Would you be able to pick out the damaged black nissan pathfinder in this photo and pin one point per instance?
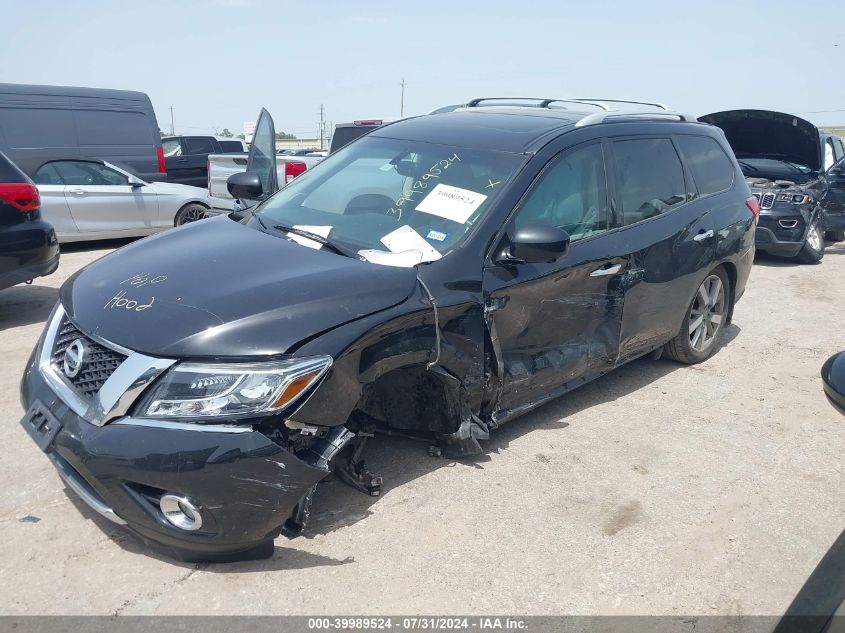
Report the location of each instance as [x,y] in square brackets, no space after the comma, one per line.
[437,277]
[789,165]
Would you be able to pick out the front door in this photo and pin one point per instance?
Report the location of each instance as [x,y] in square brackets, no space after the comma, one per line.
[552,324]
[834,200]
[101,200]
[261,159]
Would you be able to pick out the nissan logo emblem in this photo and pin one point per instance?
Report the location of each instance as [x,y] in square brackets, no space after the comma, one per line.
[74,358]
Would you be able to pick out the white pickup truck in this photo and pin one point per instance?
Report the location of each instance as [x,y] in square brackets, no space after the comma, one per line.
[221,166]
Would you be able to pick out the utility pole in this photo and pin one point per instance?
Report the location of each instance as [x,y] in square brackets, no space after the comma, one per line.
[172,130]
[402,99]
[322,123]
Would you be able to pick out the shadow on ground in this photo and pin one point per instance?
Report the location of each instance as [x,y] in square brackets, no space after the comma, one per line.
[400,460]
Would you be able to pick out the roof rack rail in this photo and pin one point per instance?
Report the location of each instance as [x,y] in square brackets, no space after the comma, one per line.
[659,106]
[605,105]
[474,103]
[601,117]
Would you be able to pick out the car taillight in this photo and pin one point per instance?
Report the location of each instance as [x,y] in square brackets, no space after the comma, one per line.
[754,207]
[21,195]
[361,122]
[294,168]
[160,154]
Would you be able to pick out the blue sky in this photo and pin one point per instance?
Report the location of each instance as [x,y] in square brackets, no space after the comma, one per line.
[218,61]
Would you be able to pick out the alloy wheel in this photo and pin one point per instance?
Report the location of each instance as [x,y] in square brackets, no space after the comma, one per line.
[192,214]
[707,313]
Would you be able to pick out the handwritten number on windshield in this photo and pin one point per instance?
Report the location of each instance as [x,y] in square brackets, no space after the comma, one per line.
[434,172]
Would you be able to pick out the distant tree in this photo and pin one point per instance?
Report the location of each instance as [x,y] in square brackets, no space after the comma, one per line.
[226,133]
[284,136]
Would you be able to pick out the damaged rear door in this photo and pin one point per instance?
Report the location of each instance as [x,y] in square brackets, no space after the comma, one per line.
[553,323]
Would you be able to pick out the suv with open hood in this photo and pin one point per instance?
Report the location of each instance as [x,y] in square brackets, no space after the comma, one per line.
[435,278]
[788,163]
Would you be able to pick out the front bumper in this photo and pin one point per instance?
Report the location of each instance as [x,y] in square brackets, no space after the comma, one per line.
[244,484]
[781,233]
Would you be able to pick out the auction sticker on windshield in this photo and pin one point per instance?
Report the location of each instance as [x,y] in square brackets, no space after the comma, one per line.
[452,203]
[405,239]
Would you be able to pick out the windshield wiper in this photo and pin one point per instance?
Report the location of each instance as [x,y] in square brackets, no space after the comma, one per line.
[742,163]
[340,250]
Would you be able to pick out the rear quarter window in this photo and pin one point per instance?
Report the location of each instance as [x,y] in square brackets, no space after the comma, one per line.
[711,168]
[103,127]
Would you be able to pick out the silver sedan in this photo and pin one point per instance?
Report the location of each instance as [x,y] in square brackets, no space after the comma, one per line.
[92,200]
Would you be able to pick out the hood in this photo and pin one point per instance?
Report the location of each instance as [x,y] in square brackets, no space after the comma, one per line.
[767,134]
[175,189]
[217,288]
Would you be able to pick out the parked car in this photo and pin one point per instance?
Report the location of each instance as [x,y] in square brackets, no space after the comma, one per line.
[520,253]
[28,245]
[186,157]
[307,151]
[345,133]
[787,163]
[94,200]
[42,123]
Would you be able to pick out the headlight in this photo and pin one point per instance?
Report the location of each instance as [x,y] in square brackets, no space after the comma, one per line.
[794,198]
[194,390]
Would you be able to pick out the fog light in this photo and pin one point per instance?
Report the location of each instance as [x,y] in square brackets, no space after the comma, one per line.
[180,512]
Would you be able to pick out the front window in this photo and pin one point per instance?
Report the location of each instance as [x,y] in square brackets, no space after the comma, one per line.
[393,201]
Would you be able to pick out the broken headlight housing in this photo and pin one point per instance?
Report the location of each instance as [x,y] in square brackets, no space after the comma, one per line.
[199,390]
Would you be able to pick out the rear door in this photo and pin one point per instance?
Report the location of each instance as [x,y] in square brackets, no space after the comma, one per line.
[669,235]
[195,152]
[101,200]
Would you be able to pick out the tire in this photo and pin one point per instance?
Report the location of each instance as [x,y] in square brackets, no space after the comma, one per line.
[190,213]
[813,249]
[835,236]
[704,321]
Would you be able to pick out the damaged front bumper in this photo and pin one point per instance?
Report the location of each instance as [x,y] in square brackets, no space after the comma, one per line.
[243,485]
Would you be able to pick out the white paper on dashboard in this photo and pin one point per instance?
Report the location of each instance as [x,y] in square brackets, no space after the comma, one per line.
[452,203]
[405,259]
[322,231]
[405,239]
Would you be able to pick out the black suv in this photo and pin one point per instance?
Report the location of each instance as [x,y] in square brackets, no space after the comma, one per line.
[437,277]
[791,168]
[28,244]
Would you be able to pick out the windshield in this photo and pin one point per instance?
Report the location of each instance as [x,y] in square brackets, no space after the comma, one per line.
[753,165]
[393,201]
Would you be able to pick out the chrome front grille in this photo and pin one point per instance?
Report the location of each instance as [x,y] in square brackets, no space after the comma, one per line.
[767,200]
[100,361]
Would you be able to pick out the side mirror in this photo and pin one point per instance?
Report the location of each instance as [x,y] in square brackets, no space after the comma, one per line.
[833,376]
[536,243]
[246,185]
[134,181]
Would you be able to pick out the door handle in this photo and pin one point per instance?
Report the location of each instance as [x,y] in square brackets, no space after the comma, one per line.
[706,235]
[609,270]
[77,192]
[181,160]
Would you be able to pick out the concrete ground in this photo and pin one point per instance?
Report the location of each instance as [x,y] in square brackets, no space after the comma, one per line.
[658,489]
